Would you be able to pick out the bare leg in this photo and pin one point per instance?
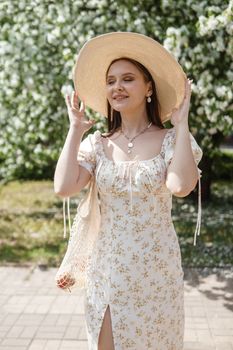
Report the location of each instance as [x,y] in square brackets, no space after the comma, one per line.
[106,336]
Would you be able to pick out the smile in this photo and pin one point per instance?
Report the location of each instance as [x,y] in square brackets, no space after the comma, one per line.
[120,98]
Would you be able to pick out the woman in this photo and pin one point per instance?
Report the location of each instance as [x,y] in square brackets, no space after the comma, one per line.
[134,295]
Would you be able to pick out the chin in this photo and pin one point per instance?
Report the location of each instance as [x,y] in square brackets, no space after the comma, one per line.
[121,109]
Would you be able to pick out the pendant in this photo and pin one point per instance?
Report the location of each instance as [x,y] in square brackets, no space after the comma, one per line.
[129,150]
[130,144]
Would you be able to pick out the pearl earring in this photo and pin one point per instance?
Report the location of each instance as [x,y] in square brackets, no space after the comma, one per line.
[148,99]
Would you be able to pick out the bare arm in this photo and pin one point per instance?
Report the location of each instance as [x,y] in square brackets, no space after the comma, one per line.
[69,177]
[182,173]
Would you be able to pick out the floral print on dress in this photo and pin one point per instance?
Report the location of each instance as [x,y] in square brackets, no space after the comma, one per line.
[168,149]
[135,267]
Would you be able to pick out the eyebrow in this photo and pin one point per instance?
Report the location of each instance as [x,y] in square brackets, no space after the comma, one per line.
[128,73]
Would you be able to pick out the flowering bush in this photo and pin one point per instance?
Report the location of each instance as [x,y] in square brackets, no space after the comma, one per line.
[39,41]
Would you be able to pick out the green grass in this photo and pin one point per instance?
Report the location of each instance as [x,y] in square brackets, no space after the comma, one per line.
[31,225]
[215,244]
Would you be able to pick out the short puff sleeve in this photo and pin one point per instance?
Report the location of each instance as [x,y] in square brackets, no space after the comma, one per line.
[170,145]
[86,155]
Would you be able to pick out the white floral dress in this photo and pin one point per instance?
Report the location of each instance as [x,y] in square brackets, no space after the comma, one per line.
[136,261]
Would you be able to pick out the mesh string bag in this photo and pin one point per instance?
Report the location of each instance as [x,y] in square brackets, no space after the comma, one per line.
[72,271]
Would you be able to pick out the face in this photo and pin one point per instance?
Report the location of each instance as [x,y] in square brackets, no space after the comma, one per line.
[126,88]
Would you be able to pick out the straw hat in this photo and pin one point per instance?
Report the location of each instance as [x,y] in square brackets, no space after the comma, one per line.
[96,55]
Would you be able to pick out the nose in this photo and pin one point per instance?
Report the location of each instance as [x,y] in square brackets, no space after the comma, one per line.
[118,85]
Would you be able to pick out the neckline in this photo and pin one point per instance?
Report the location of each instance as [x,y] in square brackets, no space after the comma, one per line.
[136,160]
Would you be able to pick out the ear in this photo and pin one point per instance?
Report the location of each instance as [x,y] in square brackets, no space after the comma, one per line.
[149,88]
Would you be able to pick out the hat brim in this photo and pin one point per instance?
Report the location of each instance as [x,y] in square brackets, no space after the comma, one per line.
[96,55]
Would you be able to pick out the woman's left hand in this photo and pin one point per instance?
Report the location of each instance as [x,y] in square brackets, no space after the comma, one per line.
[180,115]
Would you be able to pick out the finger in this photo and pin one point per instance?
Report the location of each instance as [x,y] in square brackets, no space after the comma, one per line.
[190,81]
[91,122]
[67,100]
[189,87]
[72,99]
[82,106]
[75,100]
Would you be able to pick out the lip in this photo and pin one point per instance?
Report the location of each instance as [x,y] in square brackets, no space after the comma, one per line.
[119,97]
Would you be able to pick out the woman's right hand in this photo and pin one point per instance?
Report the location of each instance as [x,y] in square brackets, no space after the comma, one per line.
[77,114]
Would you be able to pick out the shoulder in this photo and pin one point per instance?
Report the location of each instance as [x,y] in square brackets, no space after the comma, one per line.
[159,134]
[92,137]
[170,135]
[168,140]
[171,130]
[162,131]
[111,135]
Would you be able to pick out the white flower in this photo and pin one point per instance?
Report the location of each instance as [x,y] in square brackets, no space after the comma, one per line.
[165,3]
[53,35]
[229,95]
[188,65]
[221,91]
[29,82]
[38,148]
[228,119]
[66,90]
[212,22]
[36,96]
[171,31]
[66,52]
[61,18]
[212,131]
[5,47]
[220,43]
[200,110]
[223,19]
[168,44]
[14,80]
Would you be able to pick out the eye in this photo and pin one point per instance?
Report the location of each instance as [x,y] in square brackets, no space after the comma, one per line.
[109,82]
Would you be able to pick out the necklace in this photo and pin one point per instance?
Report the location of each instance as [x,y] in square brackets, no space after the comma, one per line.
[130,143]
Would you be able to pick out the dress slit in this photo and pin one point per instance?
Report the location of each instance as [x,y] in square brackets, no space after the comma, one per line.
[102,320]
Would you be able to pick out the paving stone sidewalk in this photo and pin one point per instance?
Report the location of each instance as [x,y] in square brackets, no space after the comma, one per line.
[36,315]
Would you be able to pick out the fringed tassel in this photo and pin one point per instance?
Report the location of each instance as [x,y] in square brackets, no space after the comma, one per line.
[198,226]
[68,210]
[64,215]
